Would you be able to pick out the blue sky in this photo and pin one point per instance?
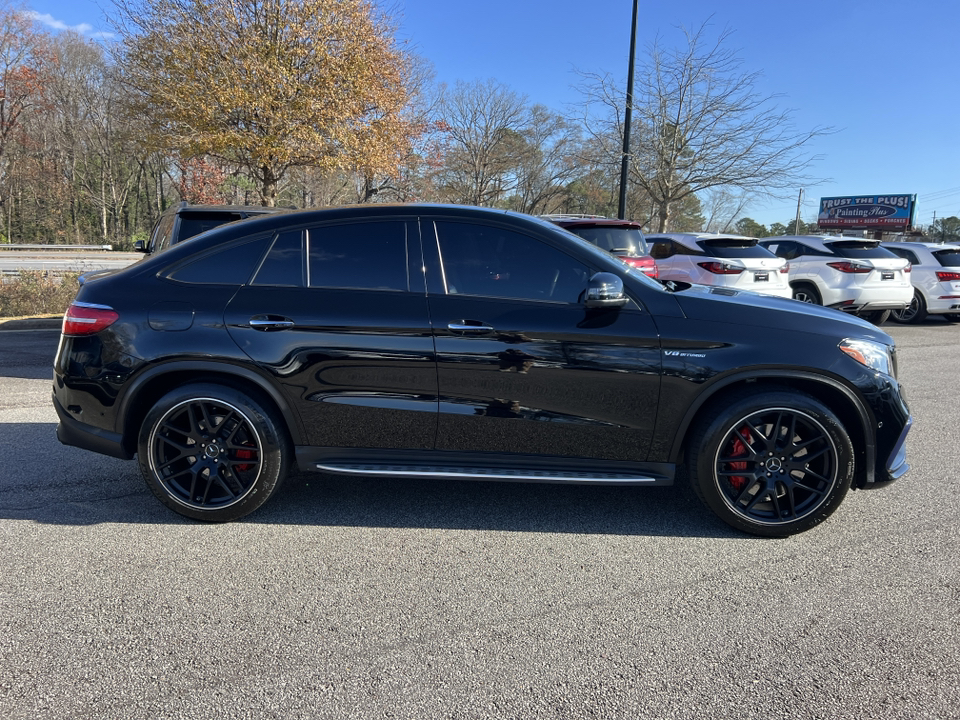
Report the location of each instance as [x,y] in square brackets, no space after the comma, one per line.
[885,74]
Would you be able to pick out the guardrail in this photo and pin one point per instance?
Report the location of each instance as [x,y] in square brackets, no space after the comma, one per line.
[6,246]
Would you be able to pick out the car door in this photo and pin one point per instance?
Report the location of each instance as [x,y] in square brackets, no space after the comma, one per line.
[523,367]
[337,314]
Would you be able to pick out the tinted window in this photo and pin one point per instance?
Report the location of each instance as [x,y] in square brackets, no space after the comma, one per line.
[161,233]
[368,255]
[284,263]
[494,262]
[860,250]
[787,250]
[661,249]
[618,240]
[948,258]
[906,255]
[731,248]
[194,223]
[229,265]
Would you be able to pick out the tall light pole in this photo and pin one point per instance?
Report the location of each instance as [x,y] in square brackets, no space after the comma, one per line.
[628,119]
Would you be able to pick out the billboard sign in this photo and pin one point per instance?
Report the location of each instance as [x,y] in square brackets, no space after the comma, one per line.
[867,212]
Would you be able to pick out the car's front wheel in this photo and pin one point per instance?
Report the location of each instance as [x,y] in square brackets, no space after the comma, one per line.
[211,452]
[771,462]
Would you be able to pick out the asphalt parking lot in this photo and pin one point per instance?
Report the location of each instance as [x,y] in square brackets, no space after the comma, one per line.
[348,598]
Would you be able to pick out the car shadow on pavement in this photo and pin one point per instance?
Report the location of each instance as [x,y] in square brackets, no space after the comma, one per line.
[54,484]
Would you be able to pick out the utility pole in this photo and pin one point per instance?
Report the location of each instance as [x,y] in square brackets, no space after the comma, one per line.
[796,225]
[628,119]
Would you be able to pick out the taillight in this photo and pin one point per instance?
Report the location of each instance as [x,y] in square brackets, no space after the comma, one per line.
[718,268]
[849,267]
[785,268]
[948,276]
[646,265]
[908,268]
[87,319]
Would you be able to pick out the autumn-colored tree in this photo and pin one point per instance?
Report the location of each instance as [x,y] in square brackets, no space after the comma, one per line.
[268,85]
[23,61]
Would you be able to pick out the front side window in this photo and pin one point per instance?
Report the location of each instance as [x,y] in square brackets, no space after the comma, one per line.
[491,261]
[362,255]
[194,223]
[161,233]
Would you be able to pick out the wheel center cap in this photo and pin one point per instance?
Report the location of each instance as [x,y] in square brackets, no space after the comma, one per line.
[212,452]
[773,465]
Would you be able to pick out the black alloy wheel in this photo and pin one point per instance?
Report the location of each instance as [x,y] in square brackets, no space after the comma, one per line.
[915,312]
[210,452]
[772,463]
[805,292]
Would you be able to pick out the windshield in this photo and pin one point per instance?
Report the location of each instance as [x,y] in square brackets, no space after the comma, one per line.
[619,240]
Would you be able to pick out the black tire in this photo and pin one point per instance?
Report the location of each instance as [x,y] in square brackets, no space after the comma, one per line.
[797,461]
[805,292]
[211,452]
[915,312]
[877,317]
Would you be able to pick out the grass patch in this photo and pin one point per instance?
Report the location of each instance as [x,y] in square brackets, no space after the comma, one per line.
[33,293]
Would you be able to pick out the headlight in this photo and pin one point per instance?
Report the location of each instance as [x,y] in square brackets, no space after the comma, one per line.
[873,355]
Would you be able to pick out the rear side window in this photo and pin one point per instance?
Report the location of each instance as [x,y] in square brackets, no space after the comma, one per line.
[948,258]
[363,255]
[194,223]
[734,248]
[860,250]
[283,265]
[907,255]
[661,249]
[232,264]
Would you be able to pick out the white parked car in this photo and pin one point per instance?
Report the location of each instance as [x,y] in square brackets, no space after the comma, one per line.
[731,261]
[855,275]
[936,280]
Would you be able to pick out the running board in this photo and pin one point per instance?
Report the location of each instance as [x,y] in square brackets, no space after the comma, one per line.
[486,473]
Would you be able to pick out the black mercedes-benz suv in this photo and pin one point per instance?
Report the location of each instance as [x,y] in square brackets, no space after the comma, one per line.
[456,342]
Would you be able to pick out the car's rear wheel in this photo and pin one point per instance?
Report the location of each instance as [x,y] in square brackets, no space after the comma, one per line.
[771,462]
[915,312]
[211,452]
[877,317]
[805,292]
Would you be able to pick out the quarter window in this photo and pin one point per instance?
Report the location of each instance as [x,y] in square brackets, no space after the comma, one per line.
[366,255]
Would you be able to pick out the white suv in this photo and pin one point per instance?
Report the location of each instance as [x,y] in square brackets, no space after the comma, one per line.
[855,275]
[731,261]
[936,280]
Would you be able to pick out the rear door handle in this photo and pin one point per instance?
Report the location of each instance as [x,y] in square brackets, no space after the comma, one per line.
[267,323]
[469,327]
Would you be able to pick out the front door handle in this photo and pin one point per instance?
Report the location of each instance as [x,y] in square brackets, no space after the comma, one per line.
[267,323]
[469,327]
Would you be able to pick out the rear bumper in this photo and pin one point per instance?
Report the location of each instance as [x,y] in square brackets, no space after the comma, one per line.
[71,431]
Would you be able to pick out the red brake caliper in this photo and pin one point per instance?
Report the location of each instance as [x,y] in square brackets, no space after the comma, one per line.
[244,455]
[740,449]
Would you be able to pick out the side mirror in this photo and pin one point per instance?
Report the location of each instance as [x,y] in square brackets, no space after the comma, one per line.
[605,290]
[139,246]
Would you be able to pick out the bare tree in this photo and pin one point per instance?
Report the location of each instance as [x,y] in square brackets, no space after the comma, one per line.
[483,123]
[699,123]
